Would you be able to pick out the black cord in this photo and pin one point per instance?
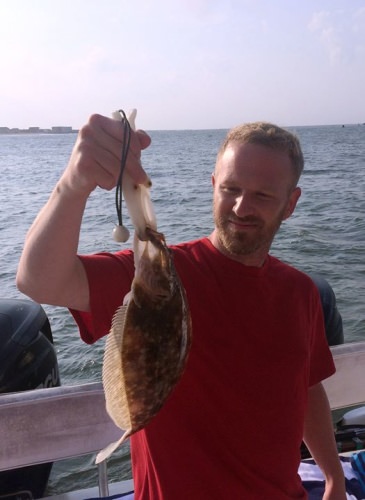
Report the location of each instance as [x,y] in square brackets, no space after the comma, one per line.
[125,150]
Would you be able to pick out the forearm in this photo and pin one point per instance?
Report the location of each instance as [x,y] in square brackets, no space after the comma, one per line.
[319,438]
[49,262]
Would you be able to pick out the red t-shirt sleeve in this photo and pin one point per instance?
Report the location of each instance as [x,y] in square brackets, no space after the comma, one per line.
[110,277]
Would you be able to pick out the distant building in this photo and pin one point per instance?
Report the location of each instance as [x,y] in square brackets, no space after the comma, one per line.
[37,130]
[61,130]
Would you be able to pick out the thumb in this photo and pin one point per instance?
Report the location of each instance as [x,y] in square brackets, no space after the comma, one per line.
[144,139]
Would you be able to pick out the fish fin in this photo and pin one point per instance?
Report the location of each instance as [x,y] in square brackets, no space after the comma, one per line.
[127,298]
[108,450]
[113,375]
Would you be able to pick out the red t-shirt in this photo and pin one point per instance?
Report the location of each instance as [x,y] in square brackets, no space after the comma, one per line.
[233,426]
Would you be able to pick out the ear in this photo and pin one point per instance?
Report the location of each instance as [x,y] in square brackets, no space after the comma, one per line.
[213,179]
[292,202]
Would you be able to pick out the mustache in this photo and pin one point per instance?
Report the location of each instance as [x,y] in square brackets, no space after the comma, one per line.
[248,219]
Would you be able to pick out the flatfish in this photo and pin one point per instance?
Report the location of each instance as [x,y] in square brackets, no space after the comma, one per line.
[148,344]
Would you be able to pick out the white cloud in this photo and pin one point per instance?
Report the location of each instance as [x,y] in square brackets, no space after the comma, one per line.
[322,23]
[341,33]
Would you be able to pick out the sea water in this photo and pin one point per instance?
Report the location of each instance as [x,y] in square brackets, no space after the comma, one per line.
[325,235]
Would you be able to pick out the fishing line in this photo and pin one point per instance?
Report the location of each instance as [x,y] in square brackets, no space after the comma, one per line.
[121,233]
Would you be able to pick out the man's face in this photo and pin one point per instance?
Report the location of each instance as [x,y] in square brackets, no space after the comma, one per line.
[253,194]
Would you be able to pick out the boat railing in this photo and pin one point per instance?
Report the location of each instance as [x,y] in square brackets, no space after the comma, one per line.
[346,387]
[47,425]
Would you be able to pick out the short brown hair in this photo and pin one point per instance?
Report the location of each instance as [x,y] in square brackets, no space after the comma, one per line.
[271,136]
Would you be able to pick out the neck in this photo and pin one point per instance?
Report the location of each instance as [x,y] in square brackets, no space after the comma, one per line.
[256,259]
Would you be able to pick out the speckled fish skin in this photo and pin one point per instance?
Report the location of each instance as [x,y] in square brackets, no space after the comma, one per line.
[149,341]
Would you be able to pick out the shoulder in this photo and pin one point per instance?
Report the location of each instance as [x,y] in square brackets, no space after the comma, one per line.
[195,263]
[192,246]
[295,285]
[193,251]
[286,272]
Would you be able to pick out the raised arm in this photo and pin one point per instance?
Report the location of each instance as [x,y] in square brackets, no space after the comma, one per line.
[49,270]
[319,438]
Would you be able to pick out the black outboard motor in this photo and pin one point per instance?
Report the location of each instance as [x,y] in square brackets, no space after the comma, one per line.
[27,361]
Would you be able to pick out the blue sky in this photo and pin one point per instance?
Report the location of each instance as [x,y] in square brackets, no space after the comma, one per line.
[184,64]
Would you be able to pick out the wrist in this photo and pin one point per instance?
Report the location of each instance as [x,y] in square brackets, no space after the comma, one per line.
[70,190]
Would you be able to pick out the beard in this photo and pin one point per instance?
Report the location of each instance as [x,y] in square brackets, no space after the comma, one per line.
[246,242]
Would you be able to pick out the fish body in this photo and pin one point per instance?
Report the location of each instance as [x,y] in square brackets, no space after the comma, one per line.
[148,344]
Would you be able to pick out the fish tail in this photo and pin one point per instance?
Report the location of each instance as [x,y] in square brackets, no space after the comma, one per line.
[108,450]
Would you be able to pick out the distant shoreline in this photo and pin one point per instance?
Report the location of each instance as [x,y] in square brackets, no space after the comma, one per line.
[37,130]
[70,130]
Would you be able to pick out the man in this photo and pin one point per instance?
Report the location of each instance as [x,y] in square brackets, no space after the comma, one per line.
[252,386]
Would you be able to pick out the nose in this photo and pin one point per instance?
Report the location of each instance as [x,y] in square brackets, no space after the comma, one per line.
[243,205]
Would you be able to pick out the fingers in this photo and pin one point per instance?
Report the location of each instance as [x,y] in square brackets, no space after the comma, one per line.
[96,158]
[144,139]
[138,140]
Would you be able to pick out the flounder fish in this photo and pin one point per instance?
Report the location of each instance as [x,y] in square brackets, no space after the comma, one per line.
[148,344]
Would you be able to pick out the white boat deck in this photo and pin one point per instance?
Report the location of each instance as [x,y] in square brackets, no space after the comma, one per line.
[53,424]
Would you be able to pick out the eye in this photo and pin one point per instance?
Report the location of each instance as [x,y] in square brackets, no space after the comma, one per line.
[229,189]
[263,196]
